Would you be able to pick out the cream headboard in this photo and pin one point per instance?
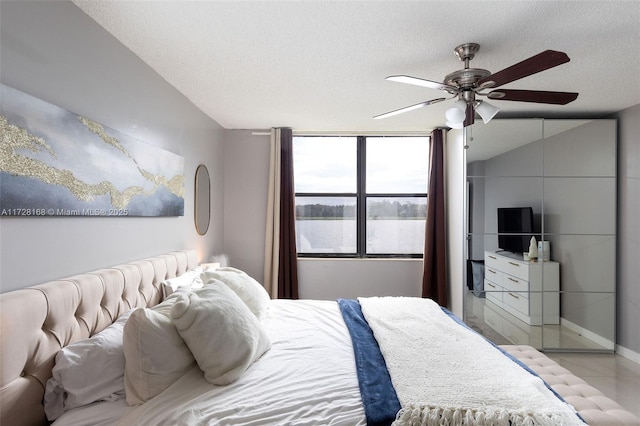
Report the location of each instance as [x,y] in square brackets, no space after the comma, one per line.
[35,322]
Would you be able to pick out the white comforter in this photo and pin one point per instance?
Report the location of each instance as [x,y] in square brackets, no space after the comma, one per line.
[311,350]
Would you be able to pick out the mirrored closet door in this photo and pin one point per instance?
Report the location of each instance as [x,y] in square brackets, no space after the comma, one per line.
[541,203]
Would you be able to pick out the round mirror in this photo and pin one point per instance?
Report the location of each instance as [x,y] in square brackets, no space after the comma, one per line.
[202,209]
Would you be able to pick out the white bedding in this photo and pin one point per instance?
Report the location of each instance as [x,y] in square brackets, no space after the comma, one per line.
[96,414]
[311,350]
[307,378]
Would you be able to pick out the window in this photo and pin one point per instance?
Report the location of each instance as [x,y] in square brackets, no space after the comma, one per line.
[360,196]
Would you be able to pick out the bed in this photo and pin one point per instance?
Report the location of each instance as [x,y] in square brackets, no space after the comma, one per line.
[302,365]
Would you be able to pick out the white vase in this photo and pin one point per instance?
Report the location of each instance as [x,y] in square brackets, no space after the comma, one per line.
[544,251]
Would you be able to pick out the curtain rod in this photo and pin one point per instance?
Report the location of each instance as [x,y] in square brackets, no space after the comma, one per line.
[347,133]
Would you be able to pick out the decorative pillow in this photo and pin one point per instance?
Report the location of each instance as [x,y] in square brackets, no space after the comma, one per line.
[252,293]
[87,371]
[224,336]
[155,354]
[190,279]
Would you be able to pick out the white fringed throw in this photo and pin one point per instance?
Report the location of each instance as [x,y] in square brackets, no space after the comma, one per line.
[445,374]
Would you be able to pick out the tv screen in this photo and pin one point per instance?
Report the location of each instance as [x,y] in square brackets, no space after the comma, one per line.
[515,228]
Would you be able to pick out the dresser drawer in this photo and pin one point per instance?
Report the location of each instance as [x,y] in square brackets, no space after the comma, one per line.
[493,274]
[516,286]
[507,265]
[515,268]
[493,292]
[511,283]
[492,261]
[517,301]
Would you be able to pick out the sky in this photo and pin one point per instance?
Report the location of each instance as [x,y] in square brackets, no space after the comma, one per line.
[328,164]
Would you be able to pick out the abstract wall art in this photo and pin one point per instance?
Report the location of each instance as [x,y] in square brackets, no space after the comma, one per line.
[56,163]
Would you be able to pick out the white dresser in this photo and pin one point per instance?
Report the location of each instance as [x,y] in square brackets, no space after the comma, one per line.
[517,287]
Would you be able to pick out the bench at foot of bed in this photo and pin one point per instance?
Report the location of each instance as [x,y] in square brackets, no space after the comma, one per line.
[595,408]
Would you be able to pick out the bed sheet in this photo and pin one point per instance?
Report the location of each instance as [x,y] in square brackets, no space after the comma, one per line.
[96,414]
[307,378]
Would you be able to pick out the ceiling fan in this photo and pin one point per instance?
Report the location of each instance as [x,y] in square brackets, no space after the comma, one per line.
[467,83]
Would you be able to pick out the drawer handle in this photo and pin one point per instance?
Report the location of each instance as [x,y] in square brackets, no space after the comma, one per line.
[514,280]
[492,271]
[492,257]
[513,295]
[514,264]
[491,285]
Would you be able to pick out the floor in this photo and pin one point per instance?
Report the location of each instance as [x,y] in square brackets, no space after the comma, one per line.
[503,328]
[615,376]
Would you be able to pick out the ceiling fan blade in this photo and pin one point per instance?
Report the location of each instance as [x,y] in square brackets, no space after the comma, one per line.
[409,108]
[537,96]
[540,62]
[421,82]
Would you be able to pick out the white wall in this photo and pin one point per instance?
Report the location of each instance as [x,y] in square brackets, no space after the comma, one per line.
[455,171]
[330,279]
[53,51]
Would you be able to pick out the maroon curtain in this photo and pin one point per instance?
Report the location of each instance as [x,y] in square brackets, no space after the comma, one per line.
[288,256]
[434,282]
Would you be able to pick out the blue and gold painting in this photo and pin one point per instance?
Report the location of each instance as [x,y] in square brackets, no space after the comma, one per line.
[57,163]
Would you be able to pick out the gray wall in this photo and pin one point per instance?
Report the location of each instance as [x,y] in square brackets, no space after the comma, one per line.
[580,216]
[628,295]
[246,176]
[53,51]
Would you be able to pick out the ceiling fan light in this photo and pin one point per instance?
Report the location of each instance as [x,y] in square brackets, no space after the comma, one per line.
[486,111]
[454,125]
[457,112]
[454,115]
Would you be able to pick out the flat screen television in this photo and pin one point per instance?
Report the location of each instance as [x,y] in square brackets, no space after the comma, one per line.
[515,228]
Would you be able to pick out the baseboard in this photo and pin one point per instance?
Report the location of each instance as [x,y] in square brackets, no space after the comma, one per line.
[628,353]
[602,341]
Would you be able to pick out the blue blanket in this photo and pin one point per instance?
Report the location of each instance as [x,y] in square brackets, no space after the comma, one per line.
[378,395]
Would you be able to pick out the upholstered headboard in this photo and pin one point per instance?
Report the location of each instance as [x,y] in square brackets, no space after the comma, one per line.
[36,322]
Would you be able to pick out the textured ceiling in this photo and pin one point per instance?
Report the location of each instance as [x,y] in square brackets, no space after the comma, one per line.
[320,65]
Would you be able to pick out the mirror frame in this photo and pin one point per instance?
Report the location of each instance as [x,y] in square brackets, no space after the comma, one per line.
[202,200]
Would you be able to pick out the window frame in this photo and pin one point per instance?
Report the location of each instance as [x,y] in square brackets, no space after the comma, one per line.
[361,198]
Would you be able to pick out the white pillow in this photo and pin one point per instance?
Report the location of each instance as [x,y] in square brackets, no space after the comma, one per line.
[87,371]
[224,336]
[155,354]
[190,279]
[252,293]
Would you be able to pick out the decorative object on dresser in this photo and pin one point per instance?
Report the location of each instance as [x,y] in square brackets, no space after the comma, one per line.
[517,287]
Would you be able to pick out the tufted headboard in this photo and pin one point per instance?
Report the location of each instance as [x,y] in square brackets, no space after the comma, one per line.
[35,322]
